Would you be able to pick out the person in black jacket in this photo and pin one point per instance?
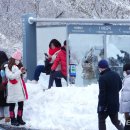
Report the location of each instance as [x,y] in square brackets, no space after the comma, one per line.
[108,105]
[4,107]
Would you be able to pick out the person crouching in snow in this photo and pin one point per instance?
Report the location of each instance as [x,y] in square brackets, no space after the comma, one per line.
[17,92]
[4,107]
[60,60]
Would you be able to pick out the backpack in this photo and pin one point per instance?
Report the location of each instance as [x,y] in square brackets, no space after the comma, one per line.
[4,78]
[47,66]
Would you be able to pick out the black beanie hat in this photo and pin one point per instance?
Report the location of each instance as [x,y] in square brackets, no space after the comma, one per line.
[103,64]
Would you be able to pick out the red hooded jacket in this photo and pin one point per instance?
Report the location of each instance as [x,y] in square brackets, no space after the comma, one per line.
[61,59]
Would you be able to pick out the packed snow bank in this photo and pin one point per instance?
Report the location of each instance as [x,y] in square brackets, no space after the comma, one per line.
[66,108]
[113,51]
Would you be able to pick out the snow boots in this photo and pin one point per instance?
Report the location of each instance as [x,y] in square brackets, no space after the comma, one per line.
[14,122]
[19,117]
[19,120]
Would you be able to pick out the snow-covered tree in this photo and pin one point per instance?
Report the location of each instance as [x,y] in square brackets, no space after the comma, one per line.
[11,12]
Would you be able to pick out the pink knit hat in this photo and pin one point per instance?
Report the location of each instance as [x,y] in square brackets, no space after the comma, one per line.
[17,55]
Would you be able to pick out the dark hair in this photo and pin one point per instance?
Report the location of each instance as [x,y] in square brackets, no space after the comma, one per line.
[128,72]
[126,67]
[55,42]
[3,57]
[65,43]
[12,62]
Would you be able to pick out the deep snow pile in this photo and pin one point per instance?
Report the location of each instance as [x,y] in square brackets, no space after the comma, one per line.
[66,108]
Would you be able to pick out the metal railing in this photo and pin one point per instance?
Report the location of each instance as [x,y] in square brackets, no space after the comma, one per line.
[31,20]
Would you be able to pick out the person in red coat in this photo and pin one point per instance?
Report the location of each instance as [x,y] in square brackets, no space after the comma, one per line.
[54,48]
[60,60]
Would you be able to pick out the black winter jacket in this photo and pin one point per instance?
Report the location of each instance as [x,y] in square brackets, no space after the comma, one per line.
[109,86]
[3,94]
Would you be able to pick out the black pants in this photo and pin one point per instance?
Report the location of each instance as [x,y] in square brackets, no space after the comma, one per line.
[127,124]
[55,75]
[114,119]
[12,106]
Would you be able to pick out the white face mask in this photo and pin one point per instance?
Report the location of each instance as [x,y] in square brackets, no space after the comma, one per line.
[100,70]
[124,74]
[17,62]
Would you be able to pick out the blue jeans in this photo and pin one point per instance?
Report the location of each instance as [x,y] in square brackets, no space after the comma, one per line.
[55,75]
[4,111]
[41,69]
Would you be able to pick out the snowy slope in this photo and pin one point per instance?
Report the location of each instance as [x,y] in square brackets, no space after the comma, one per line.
[121,3]
[66,108]
[12,10]
[5,45]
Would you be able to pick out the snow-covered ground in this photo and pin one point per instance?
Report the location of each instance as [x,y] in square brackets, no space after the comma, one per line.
[66,108]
